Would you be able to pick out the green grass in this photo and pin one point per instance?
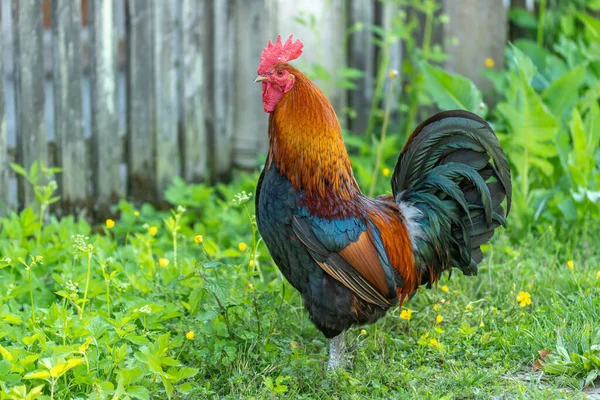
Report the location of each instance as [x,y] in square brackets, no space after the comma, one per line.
[252,337]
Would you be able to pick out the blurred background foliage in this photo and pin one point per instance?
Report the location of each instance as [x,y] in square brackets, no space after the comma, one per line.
[544,106]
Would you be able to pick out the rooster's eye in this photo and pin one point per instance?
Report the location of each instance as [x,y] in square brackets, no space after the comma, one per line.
[280,73]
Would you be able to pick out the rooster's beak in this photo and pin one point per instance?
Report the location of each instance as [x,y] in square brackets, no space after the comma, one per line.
[260,78]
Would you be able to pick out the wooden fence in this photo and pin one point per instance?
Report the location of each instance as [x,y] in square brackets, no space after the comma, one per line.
[123,95]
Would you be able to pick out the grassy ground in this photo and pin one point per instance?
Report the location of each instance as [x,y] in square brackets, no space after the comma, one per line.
[484,347]
[161,311]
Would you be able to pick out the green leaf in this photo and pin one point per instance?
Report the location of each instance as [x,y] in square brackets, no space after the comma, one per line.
[451,91]
[39,374]
[563,93]
[523,18]
[524,64]
[581,160]
[19,170]
[138,392]
[185,388]
[591,23]
[532,124]
[218,287]
[568,209]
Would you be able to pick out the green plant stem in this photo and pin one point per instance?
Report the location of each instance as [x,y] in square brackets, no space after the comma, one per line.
[39,235]
[175,251]
[381,74]
[428,29]
[181,350]
[386,119]
[254,246]
[416,86]
[87,283]
[31,296]
[107,281]
[541,18]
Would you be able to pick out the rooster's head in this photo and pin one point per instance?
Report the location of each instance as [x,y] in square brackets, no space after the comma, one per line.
[273,70]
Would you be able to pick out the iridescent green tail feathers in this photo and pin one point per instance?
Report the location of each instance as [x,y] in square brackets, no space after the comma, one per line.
[452,177]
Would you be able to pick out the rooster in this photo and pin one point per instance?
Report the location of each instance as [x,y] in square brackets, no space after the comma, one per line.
[350,256]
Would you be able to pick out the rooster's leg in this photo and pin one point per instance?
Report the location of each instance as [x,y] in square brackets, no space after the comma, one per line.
[337,350]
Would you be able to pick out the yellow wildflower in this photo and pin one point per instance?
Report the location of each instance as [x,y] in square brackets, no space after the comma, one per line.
[469,307]
[198,239]
[524,298]
[439,319]
[386,172]
[363,331]
[136,213]
[445,289]
[433,342]
[242,246]
[436,307]
[293,344]
[250,286]
[406,314]
[251,263]
[570,265]
[598,274]
[153,230]
[110,223]
[481,324]
[189,335]
[393,73]
[489,62]
[163,262]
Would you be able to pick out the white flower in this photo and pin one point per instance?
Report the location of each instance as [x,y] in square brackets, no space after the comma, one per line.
[146,309]
[72,287]
[241,198]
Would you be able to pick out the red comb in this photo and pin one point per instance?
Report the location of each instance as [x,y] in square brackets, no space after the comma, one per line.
[278,52]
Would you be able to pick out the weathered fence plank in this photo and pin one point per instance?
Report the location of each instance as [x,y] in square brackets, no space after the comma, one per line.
[361,55]
[68,110]
[141,146]
[194,143]
[250,121]
[481,29]
[220,86]
[29,88]
[164,94]
[3,142]
[106,142]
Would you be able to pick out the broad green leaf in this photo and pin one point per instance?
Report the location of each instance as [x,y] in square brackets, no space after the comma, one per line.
[591,23]
[521,17]
[524,64]
[185,388]
[568,209]
[451,91]
[592,126]
[563,93]
[581,159]
[533,127]
[138,392]
[41,374]
[6,354]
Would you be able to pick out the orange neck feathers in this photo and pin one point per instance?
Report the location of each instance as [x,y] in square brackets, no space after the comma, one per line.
[306,145]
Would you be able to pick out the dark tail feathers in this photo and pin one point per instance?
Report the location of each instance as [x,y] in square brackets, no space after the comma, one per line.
[445,172]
